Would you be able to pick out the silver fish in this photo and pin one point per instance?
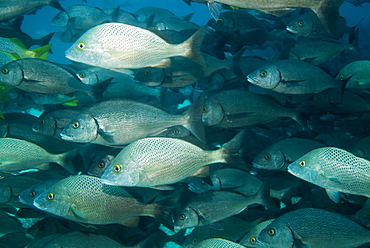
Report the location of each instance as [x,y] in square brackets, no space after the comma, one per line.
[334,169]
[120,46]
[152,162]
[120,122]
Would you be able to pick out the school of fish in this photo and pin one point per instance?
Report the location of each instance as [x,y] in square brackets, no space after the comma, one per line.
[250,129]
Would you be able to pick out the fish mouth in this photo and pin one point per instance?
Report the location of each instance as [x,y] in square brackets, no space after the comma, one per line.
[65,136]
[251,80]
[289,29]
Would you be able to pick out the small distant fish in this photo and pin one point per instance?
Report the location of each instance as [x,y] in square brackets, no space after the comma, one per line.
[334,169]
[15,8]
[214,206]
[312,227]
[82,17]
[250,240]
[17,155]
[279,155]
[52,123]
[85,199]
[326,10]
[292,76]
[152,162]
[120,46]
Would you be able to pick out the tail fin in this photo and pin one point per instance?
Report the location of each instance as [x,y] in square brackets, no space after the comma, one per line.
[40,52]
[235,59]
[193,45]
[194,119]
[65,160]
[44,40]
[328,13]
[263,197]
[230,151]
[56,4]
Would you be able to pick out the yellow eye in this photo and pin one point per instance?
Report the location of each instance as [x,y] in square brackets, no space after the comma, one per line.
[32,193]
[271,232]
[253,240]
[5,70]
[267,156]
[117,168]
[82,75]
[50,196]
[75,124]
[263,73]
[302,163]
[81,45]
[220,21]
[101,164]
[182,217]
[300,23]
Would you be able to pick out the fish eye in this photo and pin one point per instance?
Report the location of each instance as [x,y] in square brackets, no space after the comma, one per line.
[267,156]
[81,45]
[300,23]
[341,77]
[5,70]
[317,96]
[32,193]
[253,240]
[271,232]
[205,109]
[82,75]
[175,131]
[263,73]
[117,168]
[220,21]
[101,164]
[203,182]
[75,124]
[194,240]
[146,72]
[50,196]
[42,122]
[302,163]
[182,217]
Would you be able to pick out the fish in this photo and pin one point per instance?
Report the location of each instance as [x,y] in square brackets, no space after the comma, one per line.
[326,10]
[309,25]
[85,199]
[355,74]
[221,110]
[250,240]
[225,178]
[294,77]
[217,243]
[120,46]
[15,48]
[156,162]
[121,121]
[214,206]
[313,227]
[17,155]
[279,155]
[52,123]
[318,52]
[27,196]
[15,8]
[98,167]
[82,17]
[335,170]
[41,76]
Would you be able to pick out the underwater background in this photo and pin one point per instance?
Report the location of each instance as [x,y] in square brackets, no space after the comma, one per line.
[247,132]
